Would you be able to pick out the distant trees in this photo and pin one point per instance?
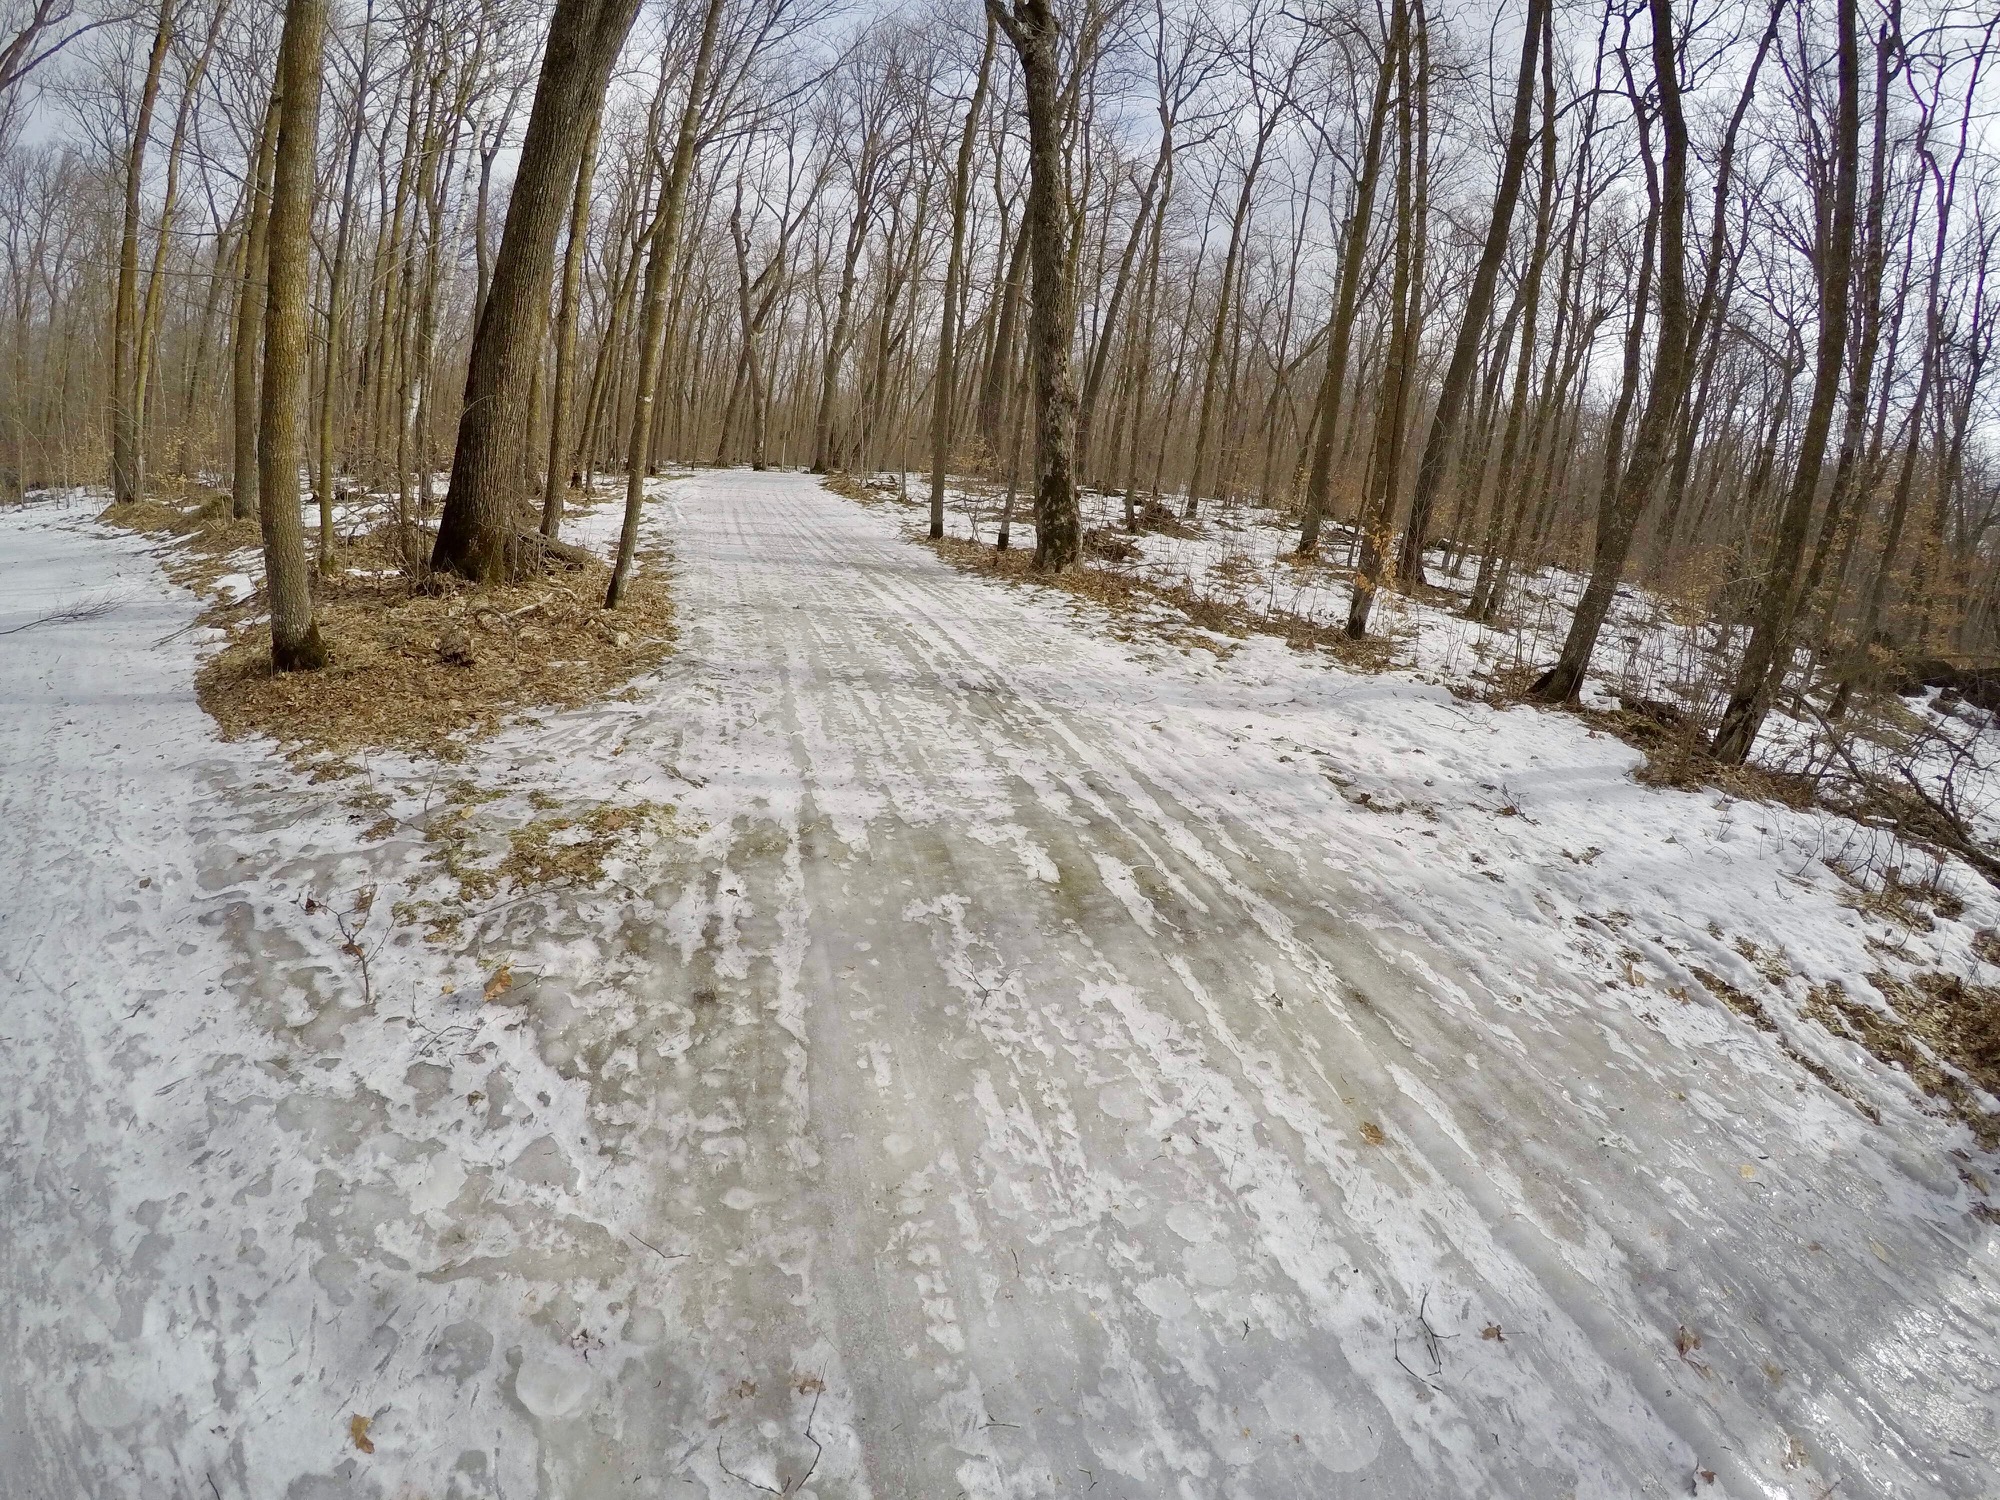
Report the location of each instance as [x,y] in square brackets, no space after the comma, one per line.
[1577,292]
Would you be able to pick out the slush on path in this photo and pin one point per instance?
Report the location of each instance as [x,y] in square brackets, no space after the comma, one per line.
[1029,1071]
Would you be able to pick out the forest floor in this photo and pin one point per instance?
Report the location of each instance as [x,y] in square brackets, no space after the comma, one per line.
[932,1038]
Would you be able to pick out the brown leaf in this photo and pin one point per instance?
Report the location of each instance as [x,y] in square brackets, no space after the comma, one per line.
[357,1429]
[501,982]
[745,1389]
[352,950]
[1372,1133]
[1686,1340]
[809,1385]
[1492,1331]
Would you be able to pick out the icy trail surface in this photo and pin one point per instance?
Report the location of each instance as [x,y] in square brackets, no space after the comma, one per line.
[1041,1064]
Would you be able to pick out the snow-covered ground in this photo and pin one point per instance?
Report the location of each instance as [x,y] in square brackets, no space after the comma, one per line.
[1024,1062]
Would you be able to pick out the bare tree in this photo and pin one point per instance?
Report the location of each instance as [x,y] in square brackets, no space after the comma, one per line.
[1032,28]
[482,507]
[295,640]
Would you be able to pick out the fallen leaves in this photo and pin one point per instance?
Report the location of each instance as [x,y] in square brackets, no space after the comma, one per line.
[501,982]
[1371,1133]
[357,1430]
[1492,1331]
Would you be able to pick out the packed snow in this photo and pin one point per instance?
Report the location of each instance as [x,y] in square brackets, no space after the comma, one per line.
[1013,1061]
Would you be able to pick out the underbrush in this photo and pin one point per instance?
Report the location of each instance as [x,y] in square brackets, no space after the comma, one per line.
[416,661]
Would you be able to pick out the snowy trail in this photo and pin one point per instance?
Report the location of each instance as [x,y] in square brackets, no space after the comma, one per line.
[1039,1075]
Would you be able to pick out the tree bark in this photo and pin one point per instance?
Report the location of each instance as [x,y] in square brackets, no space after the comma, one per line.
[1033,29]
[490,462]
[248,347]
[128,480]
[1764,659]
[663,241]
[1340,328]
[564,384]
[295,641]
[944,393]
[1478,304]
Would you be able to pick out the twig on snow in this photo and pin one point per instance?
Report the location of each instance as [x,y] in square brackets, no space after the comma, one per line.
[69,614]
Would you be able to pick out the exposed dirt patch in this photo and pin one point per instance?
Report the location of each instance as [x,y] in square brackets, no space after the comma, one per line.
[415,662]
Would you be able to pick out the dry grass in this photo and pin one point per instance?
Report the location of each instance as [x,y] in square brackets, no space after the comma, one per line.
[432,670]
[1128,595]
[423,664]
[854,489]
[1675,745]
[486,867]
[209,536]
[1943,1032]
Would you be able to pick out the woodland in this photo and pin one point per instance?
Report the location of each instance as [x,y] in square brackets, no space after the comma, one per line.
[1202,747]
[1693,297]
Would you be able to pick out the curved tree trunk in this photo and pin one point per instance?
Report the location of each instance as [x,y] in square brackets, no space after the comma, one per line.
[490,462]
[1764,659]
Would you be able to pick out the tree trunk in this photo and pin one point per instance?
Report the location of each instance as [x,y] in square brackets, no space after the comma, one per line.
[663,242]
[1764,660]
[1033,29]
[336,308]
[128,480]
[566,314]
[250,298]
[944,392]
[295,642]
[480,511]
[1478,303]
[1340,328]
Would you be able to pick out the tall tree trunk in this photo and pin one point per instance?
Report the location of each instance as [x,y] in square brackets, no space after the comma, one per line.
[295,642]
[1033,29]
[1762,670]
[128,480]
[481,507]
[1624,496]
[664,241]
[944,392]
[1347,300]
[336,288]
[564,383]
[154,308]
[1478,302]
[248,347]
[1385,460]
[1100,356]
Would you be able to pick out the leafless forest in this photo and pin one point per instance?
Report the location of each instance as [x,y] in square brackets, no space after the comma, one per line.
[1696,297]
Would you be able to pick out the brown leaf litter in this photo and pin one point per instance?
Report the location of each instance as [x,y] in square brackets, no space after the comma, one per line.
[416,661]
